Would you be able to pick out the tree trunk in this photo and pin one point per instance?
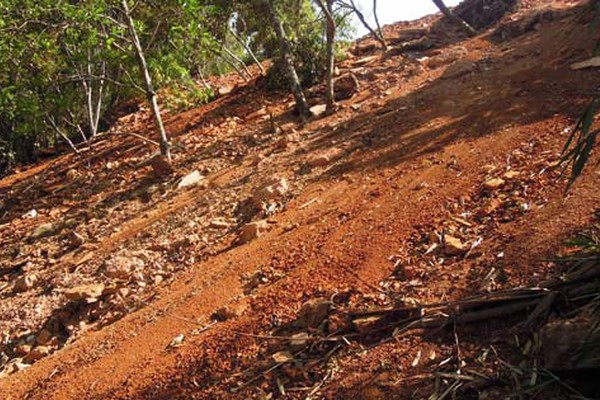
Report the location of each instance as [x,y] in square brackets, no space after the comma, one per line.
[379,30]
[468,29]
[249,51]
[239,61]
[150,93]
[286,53]
[352,6]
[327,8]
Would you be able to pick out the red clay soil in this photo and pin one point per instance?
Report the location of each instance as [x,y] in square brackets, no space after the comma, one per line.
[415,151]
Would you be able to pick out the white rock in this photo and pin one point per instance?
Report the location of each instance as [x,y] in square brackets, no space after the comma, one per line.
[190,179]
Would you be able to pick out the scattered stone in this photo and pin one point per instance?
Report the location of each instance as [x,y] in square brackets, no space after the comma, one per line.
[511,175]
[345,87]
[318,110]
[45,230]
[21,350]
[453,246]
[494,183]
[492,206]
[24,283]
[72,174]
[191,179]
[177,341]
[227,312]
[36,354]
[283,357]
[161,165]
[367,324]
[364,61]
[30,214]
[274,189]
[88,293]
[488,168]
[299,341]
[122,267]
[459,68]
[313,313]
[446,58]
[219,223]
[253,230]
[326,157]
[224,90]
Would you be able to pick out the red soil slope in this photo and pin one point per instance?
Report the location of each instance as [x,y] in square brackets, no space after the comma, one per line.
[414,151]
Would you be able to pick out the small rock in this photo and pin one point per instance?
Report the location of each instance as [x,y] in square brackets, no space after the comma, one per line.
[225,313]
[272,190]
[36,354]
[326,157]
[219,224]
[446,58]
[190,179]
[72,174]
[318,110]
[224,90]
[511,175]
[24,283]
[494,183]
[313,313]
[459,68]
[253,230]
[122,267]
[453,246]
[367,324]
[43,231]
[21,350]
[30,214]
[492,206]
[177,341]
[89,293]
[345,87]
[283,357]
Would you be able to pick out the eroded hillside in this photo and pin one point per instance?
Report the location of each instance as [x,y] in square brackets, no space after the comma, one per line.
[433,182]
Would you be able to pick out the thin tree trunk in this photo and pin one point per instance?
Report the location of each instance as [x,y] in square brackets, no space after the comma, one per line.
[379,30]
[249,51]
[352,6]
[63,135]
[239,60]
[230,63]
[286,53]
[327,8]
[150,93]
[203,80]
[464,25]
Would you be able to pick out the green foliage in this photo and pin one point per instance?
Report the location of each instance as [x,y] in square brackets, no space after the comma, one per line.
[182,97]
[582,140]
[305,29]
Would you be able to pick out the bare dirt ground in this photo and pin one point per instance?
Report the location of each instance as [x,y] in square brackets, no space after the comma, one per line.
[122,285]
